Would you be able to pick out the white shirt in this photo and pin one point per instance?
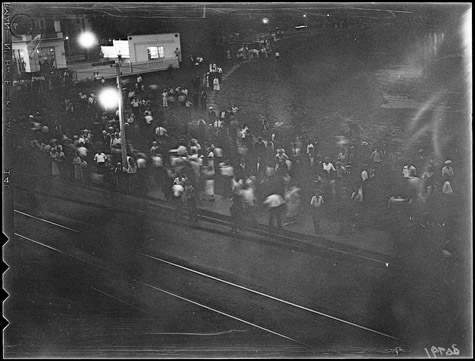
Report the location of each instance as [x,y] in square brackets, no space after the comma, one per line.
[100,158]
[160,131]
[218,152]
[227,170]
[328,167]
[274,200]
[364,175]
[317,201]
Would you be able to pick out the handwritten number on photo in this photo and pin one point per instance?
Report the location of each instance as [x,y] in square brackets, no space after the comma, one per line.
[442,351]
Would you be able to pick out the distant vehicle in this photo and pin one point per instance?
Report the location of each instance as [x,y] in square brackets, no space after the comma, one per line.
[301,27]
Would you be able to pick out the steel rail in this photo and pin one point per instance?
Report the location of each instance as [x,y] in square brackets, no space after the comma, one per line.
[167,292]
[271,297]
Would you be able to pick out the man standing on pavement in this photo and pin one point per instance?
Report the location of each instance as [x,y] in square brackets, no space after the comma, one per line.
[190,194]
[100,159]
[275,203]
[211,115]
[316,203]
[203,100]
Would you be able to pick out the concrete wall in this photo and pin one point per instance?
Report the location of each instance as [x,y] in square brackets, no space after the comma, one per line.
[84,71]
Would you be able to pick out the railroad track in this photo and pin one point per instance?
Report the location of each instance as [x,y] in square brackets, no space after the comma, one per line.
[303,326]
[163,210]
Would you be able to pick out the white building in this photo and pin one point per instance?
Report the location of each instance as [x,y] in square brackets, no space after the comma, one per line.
[140,54]
[32,53]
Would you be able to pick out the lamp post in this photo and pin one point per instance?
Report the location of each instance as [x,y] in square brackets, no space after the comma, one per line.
[305,21]
[123,145]
[67,45]
[110,98]
[265,21]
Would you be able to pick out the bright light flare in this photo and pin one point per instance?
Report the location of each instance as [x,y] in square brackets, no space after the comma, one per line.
[109,98]
[467,49]
[87,40]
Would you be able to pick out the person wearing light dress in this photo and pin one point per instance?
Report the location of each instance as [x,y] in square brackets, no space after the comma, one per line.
[216,84]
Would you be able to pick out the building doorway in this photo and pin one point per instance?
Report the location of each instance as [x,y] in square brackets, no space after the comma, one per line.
[47,58]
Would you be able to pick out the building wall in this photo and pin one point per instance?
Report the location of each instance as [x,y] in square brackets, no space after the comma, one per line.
[20,53]
[138,45]
[60,54]
[28,51]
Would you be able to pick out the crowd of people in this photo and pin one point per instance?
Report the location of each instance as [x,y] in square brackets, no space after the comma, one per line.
[215,152]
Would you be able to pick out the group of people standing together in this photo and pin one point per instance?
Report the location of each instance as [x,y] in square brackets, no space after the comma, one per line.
[250,167]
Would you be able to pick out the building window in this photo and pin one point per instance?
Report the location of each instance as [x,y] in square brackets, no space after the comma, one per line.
[40,24]
[155,52]
[57,26]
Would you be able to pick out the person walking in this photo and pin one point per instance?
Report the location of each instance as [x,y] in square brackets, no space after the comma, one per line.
[203,100]
[237,212]
[275,204]
[178,192]
[316,202]
[54,155]
[208,175]
[216,84]
[190,195]
[79,165]
[292,202]
[100,159]
[129,174]
[447,171]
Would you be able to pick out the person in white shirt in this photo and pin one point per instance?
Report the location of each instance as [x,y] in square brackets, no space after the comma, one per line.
[161,133]
[275,203]
[316,202]
[328,168]
[100,158]
[447,171]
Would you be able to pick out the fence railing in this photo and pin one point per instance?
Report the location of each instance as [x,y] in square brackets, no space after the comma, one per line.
[127,68]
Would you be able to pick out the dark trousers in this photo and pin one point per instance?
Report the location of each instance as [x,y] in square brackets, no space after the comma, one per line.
[316,220]
[275,214]
[192,209]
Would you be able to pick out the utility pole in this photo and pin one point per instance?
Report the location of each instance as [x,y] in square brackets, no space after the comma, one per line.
[123,145]
[204,11]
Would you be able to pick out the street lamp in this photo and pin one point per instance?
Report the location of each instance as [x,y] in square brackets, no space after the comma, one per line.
[87,40]
[67,44]
[109,98]
[265,21]
[305,20]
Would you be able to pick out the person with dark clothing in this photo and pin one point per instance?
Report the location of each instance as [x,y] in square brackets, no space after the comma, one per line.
[203,100]
[190,195]
[237,213]
[211,115]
